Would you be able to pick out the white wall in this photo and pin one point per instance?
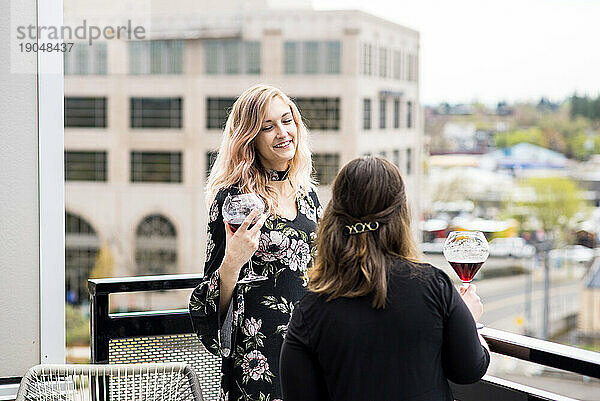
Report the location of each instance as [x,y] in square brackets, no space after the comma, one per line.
[19,236]
[31,198]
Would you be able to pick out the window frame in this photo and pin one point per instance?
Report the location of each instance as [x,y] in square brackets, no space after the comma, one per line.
[99,165]
[137,109]
[139,176]
[100,119]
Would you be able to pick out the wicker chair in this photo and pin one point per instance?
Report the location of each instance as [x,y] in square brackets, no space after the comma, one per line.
[148,381]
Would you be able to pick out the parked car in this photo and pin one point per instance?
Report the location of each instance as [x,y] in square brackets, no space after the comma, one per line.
[511,247]
[572,253]
[433,247]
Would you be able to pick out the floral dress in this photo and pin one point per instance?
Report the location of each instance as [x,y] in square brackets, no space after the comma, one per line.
[249,336]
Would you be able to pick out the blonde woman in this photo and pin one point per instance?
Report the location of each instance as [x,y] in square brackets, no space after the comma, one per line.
[264,151]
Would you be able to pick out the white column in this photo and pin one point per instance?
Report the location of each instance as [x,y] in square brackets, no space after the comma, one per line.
[31,200]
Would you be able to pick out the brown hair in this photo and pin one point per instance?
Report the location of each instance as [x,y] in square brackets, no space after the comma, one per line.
[368,189]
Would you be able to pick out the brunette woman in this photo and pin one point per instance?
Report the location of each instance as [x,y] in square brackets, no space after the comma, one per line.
[376,324]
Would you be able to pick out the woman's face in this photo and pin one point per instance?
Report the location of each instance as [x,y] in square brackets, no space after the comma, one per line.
[276,141]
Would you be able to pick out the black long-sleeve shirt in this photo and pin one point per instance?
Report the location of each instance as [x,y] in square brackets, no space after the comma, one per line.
[346,350]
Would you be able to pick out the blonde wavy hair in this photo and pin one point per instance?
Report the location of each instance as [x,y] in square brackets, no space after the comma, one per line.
[238,163]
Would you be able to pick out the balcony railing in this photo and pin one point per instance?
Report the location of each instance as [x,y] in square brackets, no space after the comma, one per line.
[167,336]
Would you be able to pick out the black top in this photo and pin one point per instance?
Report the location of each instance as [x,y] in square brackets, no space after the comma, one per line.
[346,350]
[250,335]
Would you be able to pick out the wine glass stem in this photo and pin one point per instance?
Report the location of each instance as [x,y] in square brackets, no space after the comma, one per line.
[465,284]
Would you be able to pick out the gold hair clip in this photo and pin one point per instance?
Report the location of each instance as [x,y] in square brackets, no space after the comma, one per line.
[360,228]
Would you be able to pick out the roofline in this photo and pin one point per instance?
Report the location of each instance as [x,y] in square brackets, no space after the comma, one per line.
[374,18]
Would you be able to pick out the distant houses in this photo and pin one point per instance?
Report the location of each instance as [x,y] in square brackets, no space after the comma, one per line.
[524,156]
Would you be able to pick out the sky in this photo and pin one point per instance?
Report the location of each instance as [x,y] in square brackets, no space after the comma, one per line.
[489,51]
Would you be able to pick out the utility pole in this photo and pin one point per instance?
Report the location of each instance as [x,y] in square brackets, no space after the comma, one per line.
[528,291]
[546,324]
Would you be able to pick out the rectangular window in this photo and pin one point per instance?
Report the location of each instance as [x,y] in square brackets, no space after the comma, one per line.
[320,113]
[231,56]
[217,110]
[156,57]
[397,64]
[365,67]
[326,167]
[366,114]
[86,59]
[396,157]
[334,54]
[231,59]
[311,57]
[370,60]
[212,56]
[157,112]
[85,166]
[156,167]
[396,113]
[252,56]
[409,114]
[383,62]
[412,67]
[211,157]
[85,112]
[382,113]
[367,59]
[291,57]
[408,161]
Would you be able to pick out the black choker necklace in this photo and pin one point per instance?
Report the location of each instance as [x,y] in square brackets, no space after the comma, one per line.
[275,175]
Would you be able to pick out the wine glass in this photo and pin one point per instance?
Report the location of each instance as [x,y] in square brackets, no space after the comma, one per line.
[466,251]
[235,210]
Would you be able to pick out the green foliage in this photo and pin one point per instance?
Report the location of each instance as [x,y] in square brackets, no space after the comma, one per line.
[532,135]
[77,325]
[557,199]
[586,107]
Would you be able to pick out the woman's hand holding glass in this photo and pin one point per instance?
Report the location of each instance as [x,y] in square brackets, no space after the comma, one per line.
[472,300]
[242,243]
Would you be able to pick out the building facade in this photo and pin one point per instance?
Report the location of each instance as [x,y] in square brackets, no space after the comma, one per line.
[143,119]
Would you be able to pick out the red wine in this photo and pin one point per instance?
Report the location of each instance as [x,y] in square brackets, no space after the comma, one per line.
[466,271]
[234,227]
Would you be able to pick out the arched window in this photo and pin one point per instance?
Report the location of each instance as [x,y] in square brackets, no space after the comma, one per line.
[81,250]
[156,246]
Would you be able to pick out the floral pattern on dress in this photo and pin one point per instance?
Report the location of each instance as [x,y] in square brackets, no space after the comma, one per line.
[282,305]
[297,256]
[214,212]
[256,367]
[260,311]
[272,246]
[210,246]
[307,208]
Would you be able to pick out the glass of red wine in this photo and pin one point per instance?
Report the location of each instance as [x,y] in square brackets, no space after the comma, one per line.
[235,210]
[466,251]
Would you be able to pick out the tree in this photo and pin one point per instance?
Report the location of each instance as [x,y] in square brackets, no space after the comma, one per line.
[105,263]
[556,201]
[532,135]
